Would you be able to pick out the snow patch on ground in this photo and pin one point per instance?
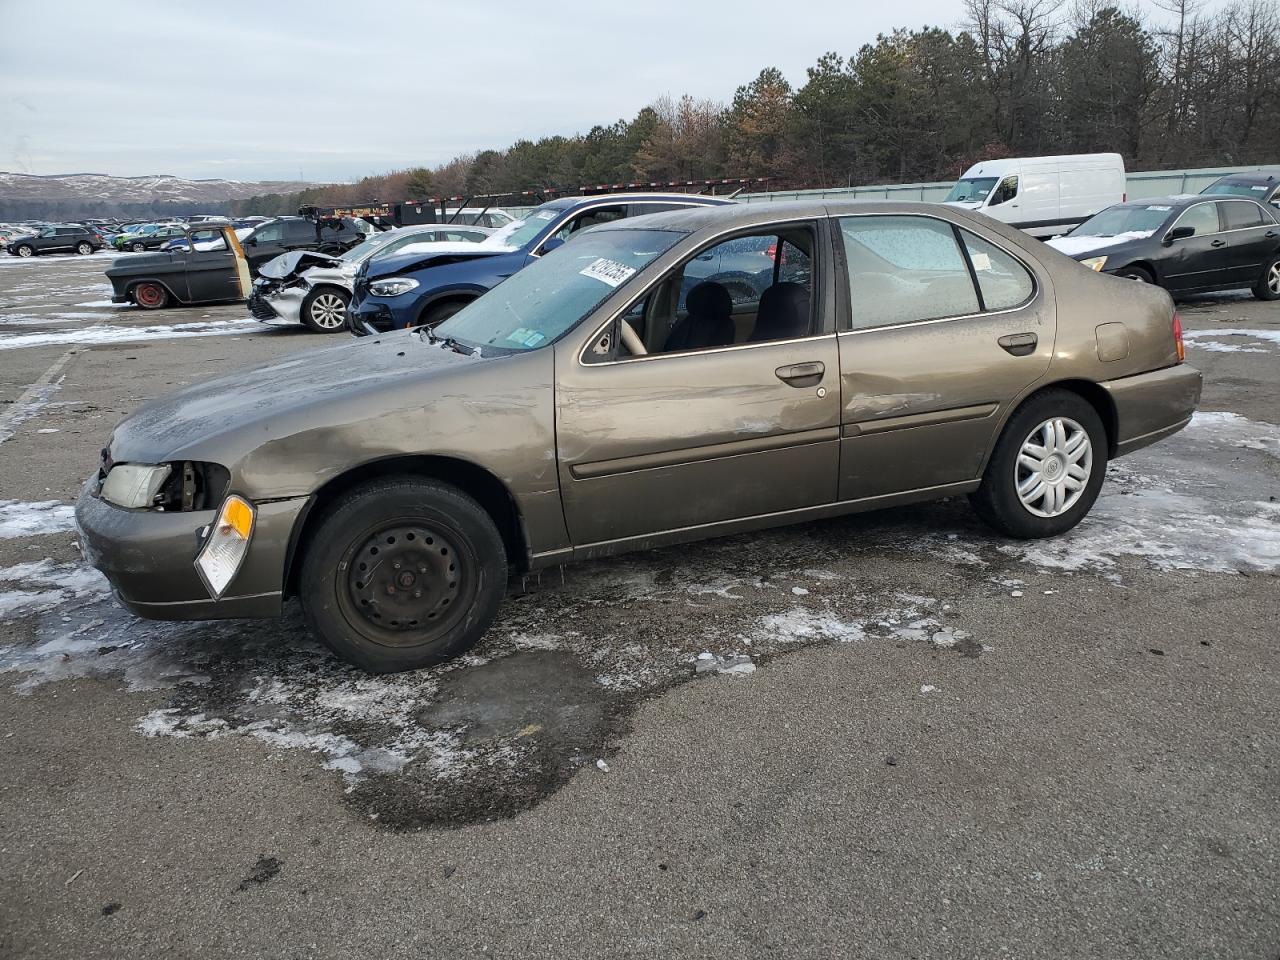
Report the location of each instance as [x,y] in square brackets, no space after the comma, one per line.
[106,333]
[22,519]
[1208,340]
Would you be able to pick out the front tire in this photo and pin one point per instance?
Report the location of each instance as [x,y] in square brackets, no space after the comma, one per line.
[1268,285]
[26,250]
[325,310]
[1046,469]
[402,573]
[150,296]
[137,247]
[1140,274]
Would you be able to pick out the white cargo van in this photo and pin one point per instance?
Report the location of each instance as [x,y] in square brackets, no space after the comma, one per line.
[1045,196]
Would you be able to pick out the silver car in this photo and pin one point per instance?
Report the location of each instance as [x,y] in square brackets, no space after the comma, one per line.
[314,288]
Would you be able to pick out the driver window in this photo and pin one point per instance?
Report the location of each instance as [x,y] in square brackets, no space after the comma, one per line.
[1203,217]
[589,219]
[1007,190]
[749,289]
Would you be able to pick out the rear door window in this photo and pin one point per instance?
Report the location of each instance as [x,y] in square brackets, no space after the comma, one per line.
[1242,214]
[903,270]
[1003,282]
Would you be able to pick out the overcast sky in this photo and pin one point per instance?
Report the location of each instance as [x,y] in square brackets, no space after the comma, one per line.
[328,90]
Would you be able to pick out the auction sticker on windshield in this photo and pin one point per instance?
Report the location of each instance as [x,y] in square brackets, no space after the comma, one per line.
[608,271]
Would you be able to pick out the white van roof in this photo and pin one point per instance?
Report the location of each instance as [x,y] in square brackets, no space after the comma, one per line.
[998,168]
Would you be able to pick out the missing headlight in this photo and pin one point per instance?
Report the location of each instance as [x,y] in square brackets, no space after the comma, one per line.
[193,485]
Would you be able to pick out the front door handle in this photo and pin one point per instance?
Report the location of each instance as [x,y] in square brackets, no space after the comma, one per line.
[1270,234]
[802,374]
[1218,243]
[1019,344]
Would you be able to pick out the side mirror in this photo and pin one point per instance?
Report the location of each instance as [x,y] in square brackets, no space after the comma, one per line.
[552,243]
[1179,233]
[250,241]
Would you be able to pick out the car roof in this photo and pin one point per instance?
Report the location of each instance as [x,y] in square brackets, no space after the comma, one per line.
[1255,176]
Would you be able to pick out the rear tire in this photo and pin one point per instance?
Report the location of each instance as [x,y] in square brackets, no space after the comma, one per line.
[1268,285]
[84,249]
[435,315]
[402,573]
[1140,274]
[1029,467]
[150,296]
[26,250]
[325,310]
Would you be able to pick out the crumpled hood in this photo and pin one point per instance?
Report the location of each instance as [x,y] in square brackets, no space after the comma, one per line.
[294,262]
[224,418]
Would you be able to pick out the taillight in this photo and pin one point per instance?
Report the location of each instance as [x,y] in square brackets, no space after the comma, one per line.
[1177,338]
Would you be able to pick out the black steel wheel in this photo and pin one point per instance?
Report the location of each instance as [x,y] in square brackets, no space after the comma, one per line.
[402,573]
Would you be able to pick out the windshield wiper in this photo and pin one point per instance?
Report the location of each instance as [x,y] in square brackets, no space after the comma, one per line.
[449,342]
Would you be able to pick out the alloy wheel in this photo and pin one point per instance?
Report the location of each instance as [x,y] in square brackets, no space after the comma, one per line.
[328,311]
[1273,278]
[1053,467]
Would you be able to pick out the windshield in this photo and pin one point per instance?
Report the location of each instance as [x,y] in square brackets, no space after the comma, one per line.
[520,232]
[1140,218]
[975,189]
[545,300]
[367,246]
[1236,188]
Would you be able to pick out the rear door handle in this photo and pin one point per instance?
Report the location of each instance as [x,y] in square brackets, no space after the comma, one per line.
[1019,344]
[802,374]
[1218,243]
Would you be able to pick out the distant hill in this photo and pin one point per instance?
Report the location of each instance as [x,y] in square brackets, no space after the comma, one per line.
[70,195]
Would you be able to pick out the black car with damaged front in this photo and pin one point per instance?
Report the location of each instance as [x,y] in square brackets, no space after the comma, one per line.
[1186,244]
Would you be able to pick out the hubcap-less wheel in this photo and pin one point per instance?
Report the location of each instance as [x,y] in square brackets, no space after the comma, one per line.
[25,251]
[1053,467]
[407,582]
[328,311]
[149,296]
[138,248]
[84,249]
[1273,278]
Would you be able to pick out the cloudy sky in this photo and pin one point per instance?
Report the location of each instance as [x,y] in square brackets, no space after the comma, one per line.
[329,90]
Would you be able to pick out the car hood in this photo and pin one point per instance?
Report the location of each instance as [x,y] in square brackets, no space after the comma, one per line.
[294,262]
[408,263]
[965,204]
[223,419]
[1083,246]
[140,263]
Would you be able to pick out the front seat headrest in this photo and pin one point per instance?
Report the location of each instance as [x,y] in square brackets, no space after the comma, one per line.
[783,313]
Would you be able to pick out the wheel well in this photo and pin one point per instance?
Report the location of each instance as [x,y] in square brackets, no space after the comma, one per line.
[141,280]
[1145,267]
[441,301]
[476,482]
[1099,399]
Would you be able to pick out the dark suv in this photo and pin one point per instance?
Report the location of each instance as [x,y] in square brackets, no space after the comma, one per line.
[333,236]
[56,239]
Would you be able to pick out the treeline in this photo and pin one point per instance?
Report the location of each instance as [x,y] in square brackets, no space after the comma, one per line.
[1023,77]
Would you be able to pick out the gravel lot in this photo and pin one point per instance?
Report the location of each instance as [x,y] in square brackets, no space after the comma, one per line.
[950,745]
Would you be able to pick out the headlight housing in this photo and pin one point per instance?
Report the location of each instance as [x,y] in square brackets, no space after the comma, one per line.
[134,485]
[1094,263]
[392,286]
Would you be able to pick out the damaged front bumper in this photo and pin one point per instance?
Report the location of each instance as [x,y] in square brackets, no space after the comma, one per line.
[275,303]
[149,558]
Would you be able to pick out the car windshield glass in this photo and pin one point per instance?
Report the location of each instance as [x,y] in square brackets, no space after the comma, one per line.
[367,246]
[1236,189]
[517,234]
[1138,218]
[545,300]
[975,189]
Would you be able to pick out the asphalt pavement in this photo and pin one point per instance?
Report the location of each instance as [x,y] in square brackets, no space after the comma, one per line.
[890,735]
